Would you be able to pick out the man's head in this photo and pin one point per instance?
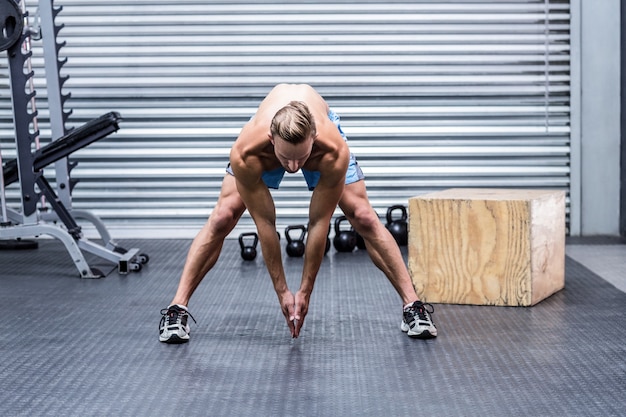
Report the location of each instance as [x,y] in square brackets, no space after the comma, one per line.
[293,133]
[293,123]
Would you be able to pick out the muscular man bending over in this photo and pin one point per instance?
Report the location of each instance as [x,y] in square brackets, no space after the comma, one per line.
[293,130]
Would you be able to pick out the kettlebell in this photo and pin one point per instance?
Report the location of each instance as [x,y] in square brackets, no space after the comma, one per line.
[398,227]
[295,246]
[248,252]
[344,240]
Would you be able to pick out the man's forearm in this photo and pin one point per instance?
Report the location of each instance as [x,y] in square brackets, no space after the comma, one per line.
[270,246]
[313,256]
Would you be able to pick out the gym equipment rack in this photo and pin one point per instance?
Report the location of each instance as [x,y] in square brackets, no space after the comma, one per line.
[27,168]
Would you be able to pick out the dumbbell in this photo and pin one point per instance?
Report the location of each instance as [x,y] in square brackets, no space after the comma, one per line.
[248,252]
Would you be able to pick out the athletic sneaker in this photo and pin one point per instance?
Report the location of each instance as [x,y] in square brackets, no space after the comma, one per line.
[416,321]
[173,327]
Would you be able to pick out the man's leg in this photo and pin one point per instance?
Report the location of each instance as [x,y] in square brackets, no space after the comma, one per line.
[202,256]
[207,245]
[380,244]
[386,255]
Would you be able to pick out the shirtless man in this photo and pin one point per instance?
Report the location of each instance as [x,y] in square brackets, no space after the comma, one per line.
[293,129]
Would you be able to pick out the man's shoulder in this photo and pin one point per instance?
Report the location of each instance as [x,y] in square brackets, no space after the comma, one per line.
[256,127]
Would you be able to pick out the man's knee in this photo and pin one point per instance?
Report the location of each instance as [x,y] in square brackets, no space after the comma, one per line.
[364,219]
[223,219]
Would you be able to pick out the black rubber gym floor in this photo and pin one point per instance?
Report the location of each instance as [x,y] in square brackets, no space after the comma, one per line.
[80,347]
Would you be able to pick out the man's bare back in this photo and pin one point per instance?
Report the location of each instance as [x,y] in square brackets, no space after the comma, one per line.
[282,94]
[254,142]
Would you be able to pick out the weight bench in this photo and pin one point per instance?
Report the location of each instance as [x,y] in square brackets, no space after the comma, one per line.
[27,168]
[78,138]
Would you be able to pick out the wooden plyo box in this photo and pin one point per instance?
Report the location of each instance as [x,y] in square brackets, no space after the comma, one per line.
[487,246]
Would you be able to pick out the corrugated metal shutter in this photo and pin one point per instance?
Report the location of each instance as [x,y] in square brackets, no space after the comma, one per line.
[432,95]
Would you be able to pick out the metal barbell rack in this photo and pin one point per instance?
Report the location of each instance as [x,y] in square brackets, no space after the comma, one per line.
[27,167]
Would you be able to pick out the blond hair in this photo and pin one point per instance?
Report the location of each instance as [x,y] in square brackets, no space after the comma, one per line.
[293,123]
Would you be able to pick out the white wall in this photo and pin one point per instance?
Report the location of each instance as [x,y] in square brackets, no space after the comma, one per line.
[595,117]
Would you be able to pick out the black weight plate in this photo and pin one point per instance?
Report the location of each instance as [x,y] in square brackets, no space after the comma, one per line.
[12,24]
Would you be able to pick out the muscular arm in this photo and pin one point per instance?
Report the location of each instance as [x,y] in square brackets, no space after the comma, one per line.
[323,203]
[260,205]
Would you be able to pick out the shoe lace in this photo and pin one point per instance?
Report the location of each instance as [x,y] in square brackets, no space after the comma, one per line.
[421,310]
[173,314]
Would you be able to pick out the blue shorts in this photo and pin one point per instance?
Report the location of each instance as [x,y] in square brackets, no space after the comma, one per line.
[273,178]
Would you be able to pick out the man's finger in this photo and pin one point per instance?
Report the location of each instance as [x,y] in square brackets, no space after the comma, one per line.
[292,327]
[298,326]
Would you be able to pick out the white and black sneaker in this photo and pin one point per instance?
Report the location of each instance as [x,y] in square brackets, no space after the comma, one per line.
[416,321]
[173,327]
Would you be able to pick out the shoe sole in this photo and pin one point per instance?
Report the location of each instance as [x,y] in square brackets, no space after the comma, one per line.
[174,340]
[424,335]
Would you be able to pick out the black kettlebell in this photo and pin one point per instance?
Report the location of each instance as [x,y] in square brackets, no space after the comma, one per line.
[248,252]
[397,227]
[344,240]
[295,246]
